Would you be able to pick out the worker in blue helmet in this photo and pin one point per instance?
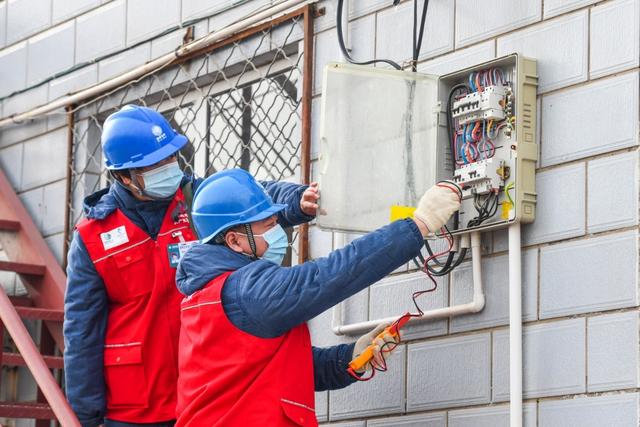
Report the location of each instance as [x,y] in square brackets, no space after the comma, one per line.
[121,305]
[245,352]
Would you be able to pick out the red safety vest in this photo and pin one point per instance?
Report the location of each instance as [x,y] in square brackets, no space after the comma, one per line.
[231,378]
[143,324]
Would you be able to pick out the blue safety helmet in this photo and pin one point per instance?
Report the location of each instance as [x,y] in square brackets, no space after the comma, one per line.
[137,136]
[229,198]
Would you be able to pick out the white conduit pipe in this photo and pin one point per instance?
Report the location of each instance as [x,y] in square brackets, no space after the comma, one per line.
[472,307]
[515,326]
[164,60]
[340,241]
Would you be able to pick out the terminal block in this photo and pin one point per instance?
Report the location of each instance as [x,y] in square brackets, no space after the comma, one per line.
[486,105]
[481,177]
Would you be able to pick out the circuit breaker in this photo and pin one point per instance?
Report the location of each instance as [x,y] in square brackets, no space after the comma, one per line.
[387,136]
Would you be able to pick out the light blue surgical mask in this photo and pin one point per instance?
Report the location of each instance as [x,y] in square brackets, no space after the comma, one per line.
[162,182]
[278,242]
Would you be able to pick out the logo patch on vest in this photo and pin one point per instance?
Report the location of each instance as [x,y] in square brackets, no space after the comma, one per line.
[113,238]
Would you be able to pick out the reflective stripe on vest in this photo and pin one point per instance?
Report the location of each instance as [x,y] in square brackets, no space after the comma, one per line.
[231,378]
[140,352]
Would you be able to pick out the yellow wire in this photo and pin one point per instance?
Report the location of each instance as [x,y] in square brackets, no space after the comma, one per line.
[506,191]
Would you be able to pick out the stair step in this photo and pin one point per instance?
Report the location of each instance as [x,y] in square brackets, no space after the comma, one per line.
[15,359]
[41,313]
[21,301]
[23,267]
[32,410]
[9,225]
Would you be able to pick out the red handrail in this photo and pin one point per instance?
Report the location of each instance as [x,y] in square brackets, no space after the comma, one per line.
[35,362]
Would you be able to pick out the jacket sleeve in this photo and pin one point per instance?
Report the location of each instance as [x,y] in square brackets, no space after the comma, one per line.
[85,317]
[267,300]
[289,194]
[330,367]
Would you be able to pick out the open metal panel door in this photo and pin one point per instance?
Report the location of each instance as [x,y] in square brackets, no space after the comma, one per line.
[377,144]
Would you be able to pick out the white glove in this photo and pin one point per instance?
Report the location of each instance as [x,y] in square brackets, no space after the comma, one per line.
[436,207]
[370,338]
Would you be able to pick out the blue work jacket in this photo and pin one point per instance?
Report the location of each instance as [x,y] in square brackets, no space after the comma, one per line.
[266,300]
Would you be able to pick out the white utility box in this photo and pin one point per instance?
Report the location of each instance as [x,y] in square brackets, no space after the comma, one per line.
[385,139]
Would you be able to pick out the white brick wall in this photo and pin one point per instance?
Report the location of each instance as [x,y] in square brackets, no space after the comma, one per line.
[572,120]
[476,22]
[580,285]
[26,17]
[612,410]
[612,356]
[616,50]
[449,372]
[553,356]
[50,52]
[106,24]
[559,64]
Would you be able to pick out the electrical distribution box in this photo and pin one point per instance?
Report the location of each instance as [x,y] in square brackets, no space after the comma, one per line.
[387,136]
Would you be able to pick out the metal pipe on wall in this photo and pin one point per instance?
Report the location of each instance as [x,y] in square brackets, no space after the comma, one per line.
[158,63]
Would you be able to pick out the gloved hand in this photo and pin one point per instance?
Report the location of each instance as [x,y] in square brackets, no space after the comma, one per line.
[437,205]
[379,356]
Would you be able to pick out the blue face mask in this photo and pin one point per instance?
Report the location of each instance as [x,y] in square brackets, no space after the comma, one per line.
[162,182]
[278,242]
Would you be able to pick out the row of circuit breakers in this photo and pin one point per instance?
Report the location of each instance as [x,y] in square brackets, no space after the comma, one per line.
[387,136]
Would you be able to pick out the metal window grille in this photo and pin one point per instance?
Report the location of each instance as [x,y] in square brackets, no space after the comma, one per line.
[244,103]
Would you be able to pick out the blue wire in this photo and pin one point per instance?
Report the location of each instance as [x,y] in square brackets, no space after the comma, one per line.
[464,154]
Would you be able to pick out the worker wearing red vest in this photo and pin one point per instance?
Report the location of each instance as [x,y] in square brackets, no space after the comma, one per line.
[245,353]
[122,309]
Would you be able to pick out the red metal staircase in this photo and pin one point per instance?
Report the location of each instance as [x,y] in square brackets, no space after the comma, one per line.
[30,257]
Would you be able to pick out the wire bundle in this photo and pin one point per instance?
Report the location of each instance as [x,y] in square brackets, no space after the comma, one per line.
[474,141]
[487,206]
[479,80]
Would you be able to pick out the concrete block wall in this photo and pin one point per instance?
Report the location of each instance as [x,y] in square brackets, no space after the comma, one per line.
[580,285]
[580,257]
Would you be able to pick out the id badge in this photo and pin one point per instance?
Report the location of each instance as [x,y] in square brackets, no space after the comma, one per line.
[176,251]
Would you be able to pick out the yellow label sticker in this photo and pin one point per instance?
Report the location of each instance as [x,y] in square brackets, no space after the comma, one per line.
[401,212]
[506,209]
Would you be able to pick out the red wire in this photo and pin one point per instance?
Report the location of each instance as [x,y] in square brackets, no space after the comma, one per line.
[391,346]
[476,133]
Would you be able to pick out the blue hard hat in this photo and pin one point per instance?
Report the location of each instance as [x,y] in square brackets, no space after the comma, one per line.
[229,198]
[137,136]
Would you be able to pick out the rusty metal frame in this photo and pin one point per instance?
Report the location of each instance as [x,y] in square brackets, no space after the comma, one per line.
[40,271]
[305,149]
[31,357]
[67,194]
[307,13]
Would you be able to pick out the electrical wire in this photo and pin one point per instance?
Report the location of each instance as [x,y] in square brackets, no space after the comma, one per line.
[486,208]
[390,346]
[417,39]
[344,50]
[508,188]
